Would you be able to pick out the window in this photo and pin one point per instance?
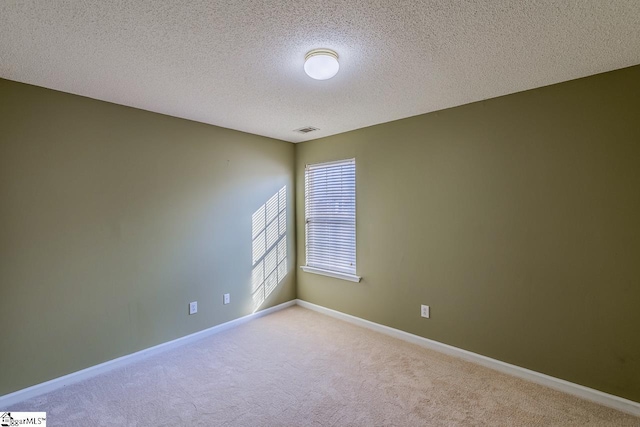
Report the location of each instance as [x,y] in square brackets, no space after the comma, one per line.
[330,216]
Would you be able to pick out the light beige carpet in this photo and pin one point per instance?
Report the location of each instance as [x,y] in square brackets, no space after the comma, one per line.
[300,368]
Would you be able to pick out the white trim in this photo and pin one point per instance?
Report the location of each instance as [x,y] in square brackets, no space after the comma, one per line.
[334,274]
[329,163]
[578,390]
[27,393]
[593,395]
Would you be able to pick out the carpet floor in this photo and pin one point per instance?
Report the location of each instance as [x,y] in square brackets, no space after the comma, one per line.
[296,367]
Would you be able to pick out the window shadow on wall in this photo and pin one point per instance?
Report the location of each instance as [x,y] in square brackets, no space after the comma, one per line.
[269,247]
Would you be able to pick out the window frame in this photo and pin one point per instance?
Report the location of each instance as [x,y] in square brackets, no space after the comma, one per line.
[320,270]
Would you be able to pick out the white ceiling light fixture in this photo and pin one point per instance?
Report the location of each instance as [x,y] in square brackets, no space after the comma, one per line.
[321,64]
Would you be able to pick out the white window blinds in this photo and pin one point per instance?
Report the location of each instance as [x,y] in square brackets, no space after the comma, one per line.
[330,209]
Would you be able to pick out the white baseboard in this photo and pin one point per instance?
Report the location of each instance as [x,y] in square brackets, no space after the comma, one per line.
[578,390]
[593,395]
[27,393]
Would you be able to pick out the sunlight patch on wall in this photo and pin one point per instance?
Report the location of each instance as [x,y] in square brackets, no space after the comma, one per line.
[269,247]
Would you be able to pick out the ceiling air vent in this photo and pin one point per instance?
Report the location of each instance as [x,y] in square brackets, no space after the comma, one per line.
[306,129]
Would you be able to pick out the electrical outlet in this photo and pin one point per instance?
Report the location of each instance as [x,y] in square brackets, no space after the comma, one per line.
[226,299]
[193,307]
[424,312]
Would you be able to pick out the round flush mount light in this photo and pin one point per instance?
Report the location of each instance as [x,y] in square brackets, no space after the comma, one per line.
[321,64]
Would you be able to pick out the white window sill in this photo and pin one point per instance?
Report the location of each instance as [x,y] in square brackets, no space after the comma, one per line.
[334,274]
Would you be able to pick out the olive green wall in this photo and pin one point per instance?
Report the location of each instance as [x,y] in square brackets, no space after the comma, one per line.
[113,219]
[517,219]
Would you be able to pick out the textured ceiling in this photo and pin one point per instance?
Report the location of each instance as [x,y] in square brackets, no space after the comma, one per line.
[239,64]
